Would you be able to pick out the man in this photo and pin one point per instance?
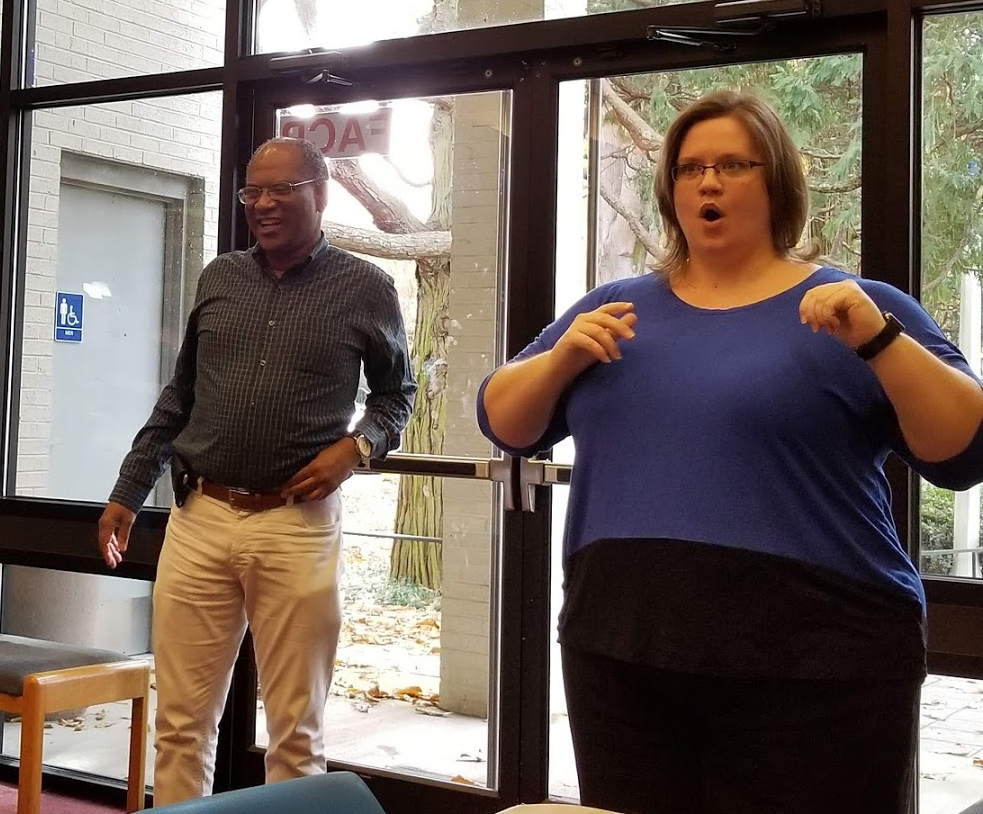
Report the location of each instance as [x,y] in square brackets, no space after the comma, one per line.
[256,419]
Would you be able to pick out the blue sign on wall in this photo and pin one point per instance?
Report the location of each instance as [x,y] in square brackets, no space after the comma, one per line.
[68,317]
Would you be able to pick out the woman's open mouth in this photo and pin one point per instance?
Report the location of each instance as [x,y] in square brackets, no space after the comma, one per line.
[710,213]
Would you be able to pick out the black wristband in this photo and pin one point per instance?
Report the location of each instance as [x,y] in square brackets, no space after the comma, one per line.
[887,334]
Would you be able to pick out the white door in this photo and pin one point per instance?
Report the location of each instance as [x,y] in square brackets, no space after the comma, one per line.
[111,250]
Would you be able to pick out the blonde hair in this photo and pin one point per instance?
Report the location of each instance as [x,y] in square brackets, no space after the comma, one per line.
[784,176]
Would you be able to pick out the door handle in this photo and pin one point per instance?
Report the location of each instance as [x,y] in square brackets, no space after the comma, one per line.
[533,473]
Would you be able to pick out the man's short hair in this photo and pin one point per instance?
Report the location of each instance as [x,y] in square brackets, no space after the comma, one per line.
[315,164]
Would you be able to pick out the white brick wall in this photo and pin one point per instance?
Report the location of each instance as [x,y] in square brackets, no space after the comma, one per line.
[93,39]
[78,40]
[469,531]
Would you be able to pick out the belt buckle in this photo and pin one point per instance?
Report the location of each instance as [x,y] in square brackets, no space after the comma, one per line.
[244,495]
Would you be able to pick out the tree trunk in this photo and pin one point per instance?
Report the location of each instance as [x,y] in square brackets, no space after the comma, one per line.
[420,504]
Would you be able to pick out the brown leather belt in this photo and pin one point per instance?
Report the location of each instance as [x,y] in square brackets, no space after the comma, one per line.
[243,499]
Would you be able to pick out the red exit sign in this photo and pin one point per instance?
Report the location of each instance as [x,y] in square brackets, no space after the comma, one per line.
[342,135]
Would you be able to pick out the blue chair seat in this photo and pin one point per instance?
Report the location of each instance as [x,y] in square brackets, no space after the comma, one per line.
[333,793]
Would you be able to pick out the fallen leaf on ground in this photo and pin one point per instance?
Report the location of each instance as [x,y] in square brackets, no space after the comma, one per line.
[436,712]
[412,692]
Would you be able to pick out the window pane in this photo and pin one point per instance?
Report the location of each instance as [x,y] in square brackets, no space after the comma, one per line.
[819,98]
[952,254]
[289,25]
[80,41]
[121,218]
[83,610]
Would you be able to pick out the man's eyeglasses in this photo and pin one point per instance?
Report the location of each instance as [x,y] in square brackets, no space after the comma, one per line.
[279,191]
[725,169]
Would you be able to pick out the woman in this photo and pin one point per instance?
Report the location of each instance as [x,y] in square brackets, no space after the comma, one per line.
[742,629]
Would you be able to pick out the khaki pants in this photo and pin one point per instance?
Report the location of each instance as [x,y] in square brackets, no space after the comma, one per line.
[222,568]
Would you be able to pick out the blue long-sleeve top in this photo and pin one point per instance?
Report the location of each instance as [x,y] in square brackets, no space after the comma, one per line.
[742,428]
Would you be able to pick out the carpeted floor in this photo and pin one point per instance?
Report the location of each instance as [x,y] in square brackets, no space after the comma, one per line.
[52,803]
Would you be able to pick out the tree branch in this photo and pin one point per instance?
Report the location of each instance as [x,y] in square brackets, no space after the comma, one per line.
[928,288]
[641,132]
[627,90]
[388,212]
[820,155]
[846,186]
[306,13]
[633,221]
[958,132]
[414,246]
[969,127]
[408,181]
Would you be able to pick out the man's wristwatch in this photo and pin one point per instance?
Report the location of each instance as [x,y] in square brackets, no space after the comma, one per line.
[363,446]
[890,332]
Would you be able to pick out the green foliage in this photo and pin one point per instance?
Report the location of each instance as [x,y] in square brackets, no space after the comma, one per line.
[403,592]
[952,134]
[368,582]
[820,101]
[937,506]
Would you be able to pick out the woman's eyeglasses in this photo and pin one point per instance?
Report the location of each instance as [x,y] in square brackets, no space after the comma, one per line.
[724,169]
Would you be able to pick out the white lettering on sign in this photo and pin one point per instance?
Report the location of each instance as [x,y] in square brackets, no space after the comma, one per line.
[342,135]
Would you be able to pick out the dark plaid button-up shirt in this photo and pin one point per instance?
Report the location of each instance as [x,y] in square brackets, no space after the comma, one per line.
[268,373]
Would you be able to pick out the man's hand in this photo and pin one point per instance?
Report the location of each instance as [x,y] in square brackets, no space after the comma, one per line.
[332,466]
[114,532]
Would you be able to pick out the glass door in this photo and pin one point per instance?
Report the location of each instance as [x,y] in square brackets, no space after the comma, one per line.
[419,188]
[609,136]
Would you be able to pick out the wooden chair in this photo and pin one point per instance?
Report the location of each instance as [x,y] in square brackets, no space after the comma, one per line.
[39,677]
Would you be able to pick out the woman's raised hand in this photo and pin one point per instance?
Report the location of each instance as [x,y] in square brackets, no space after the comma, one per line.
[843,310]
[593,336]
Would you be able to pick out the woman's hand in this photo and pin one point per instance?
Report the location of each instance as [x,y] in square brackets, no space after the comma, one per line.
[594,336]
[939,408]
[844,311]
[521,397]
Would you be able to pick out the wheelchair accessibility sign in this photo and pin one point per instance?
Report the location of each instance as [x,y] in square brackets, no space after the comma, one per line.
[68,317]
